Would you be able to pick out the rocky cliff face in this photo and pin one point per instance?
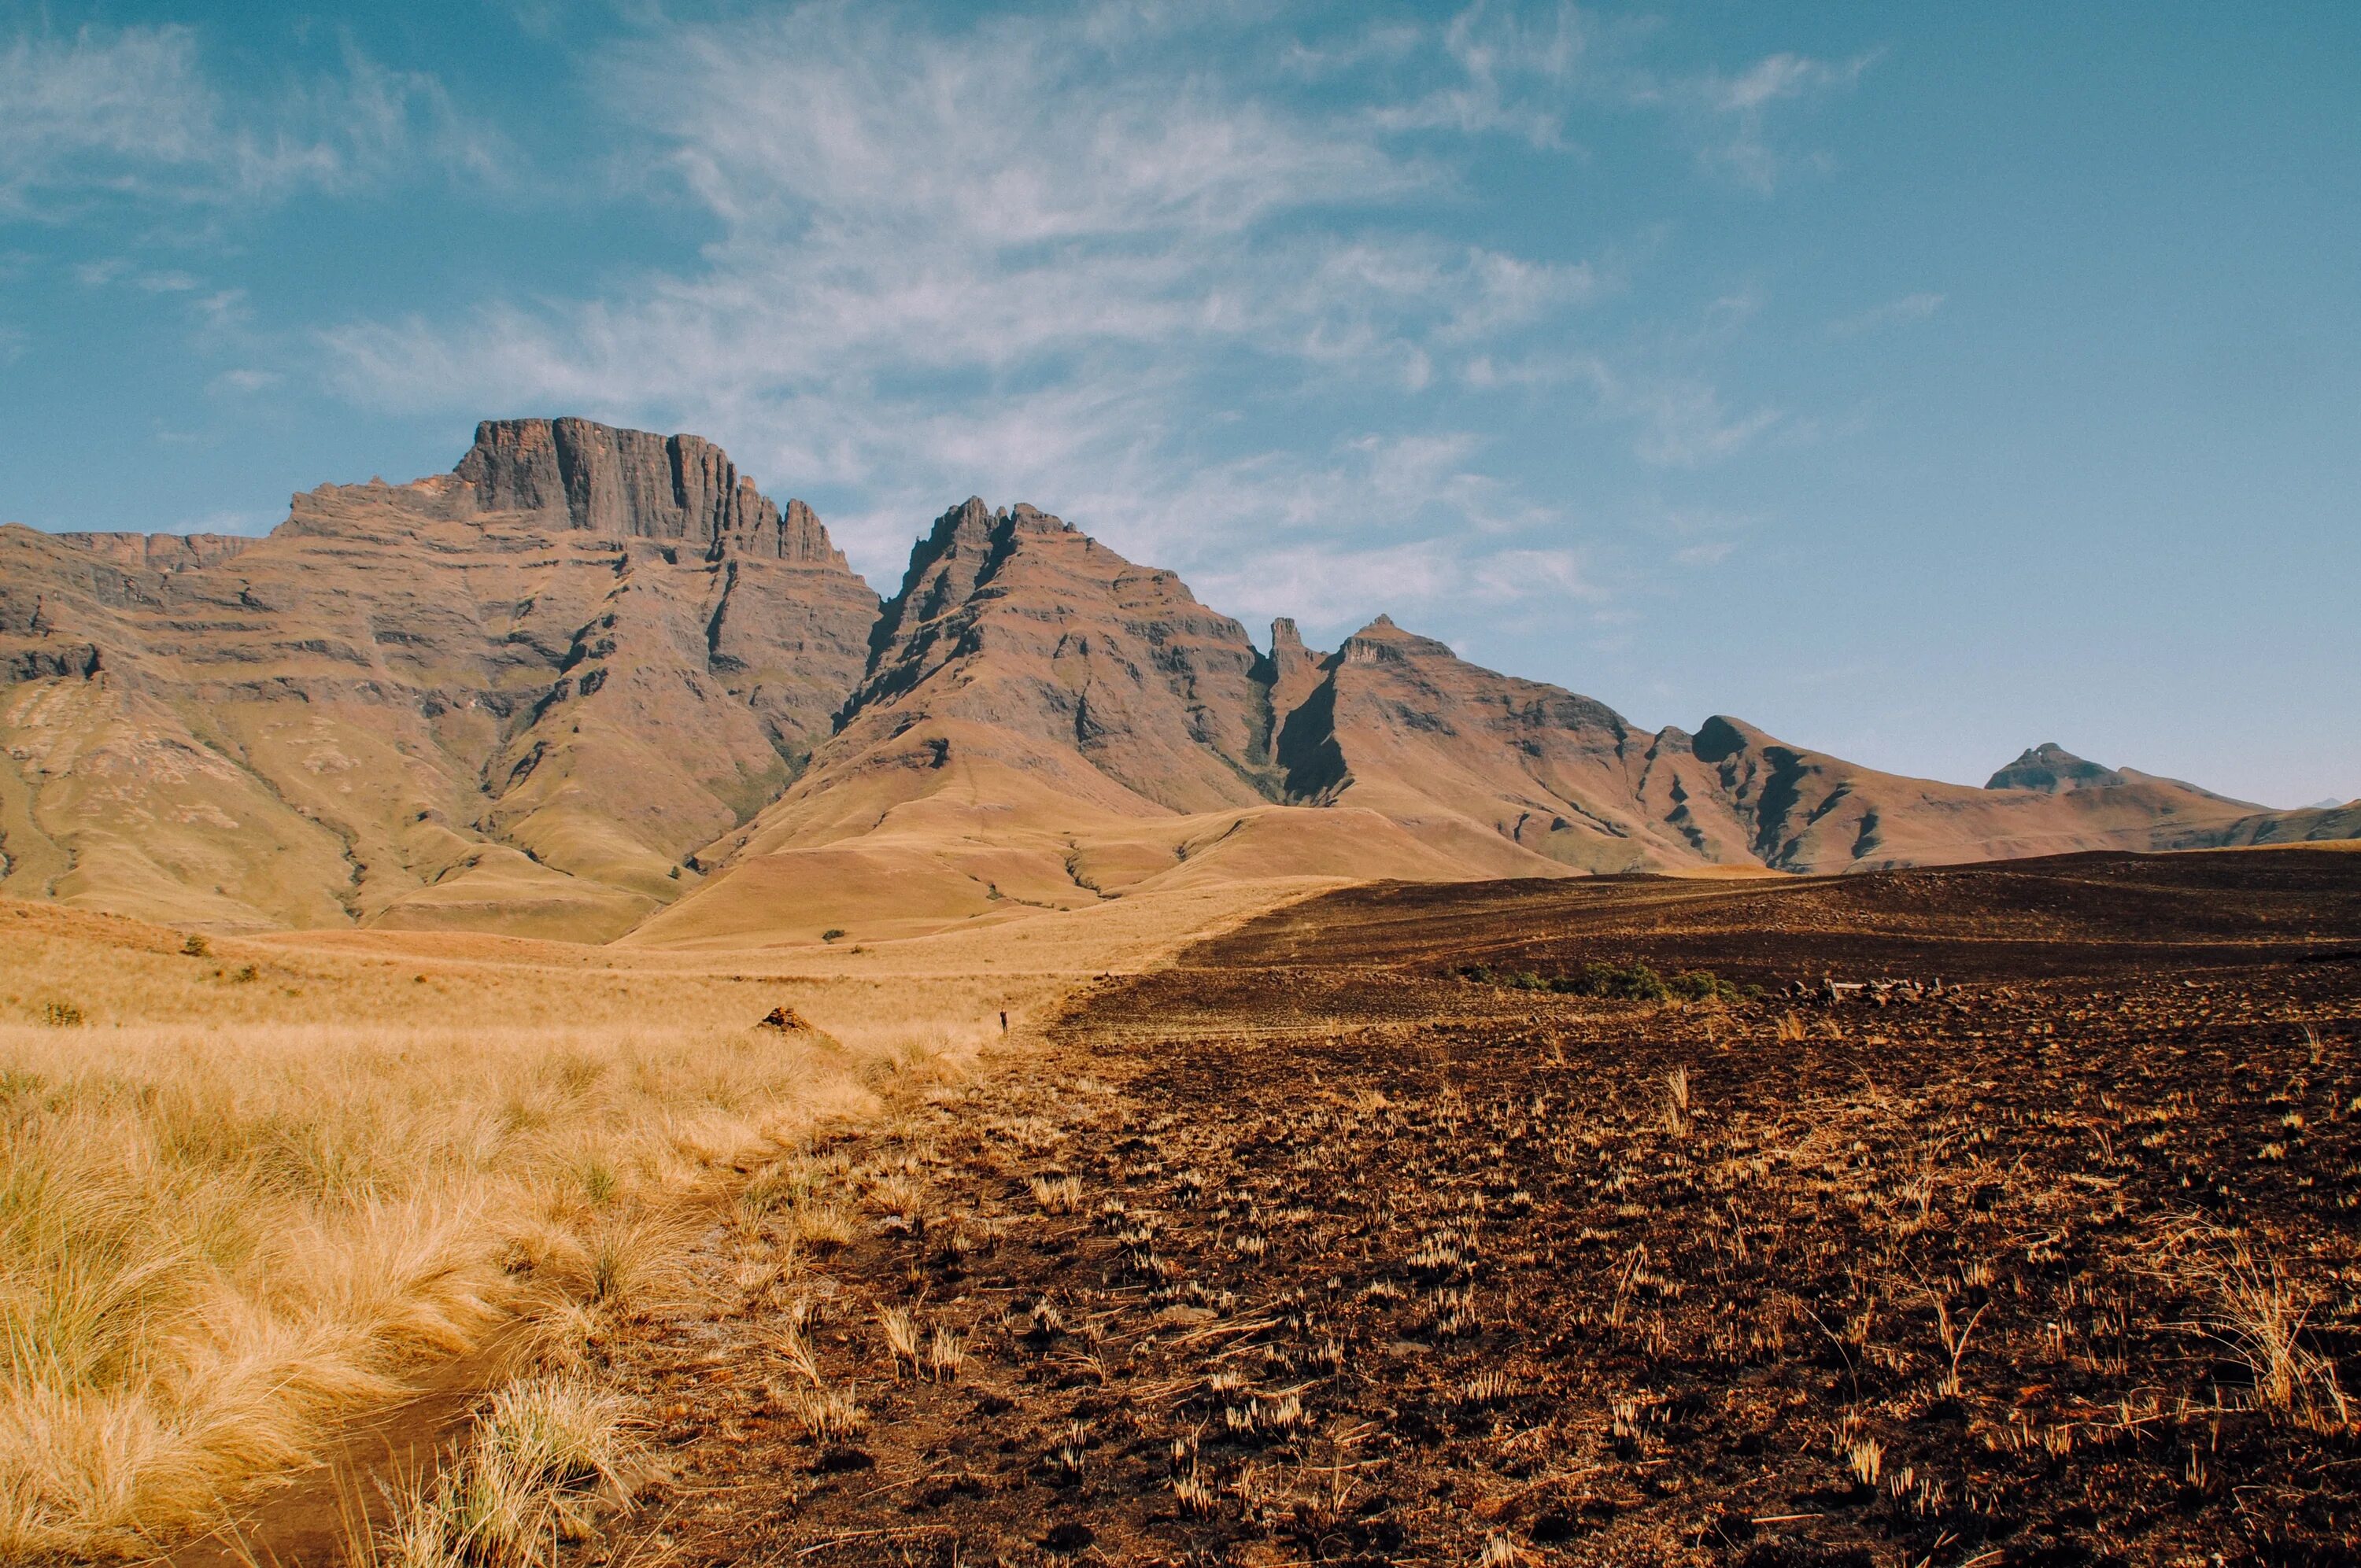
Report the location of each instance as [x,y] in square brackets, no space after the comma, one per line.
[458,702]
[1044,722]
[631,483]
[1522,777]
[1015,620]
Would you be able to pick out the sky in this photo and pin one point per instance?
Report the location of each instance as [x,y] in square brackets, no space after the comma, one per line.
[1917,383]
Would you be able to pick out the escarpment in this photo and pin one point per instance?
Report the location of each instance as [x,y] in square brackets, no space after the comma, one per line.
[594,680]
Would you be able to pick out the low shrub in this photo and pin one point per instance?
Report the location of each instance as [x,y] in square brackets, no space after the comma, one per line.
[1620,983]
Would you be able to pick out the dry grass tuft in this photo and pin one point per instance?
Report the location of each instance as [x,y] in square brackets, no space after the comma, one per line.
[1057,1194]
[902,1337]
[827,1415]
[254,1188]
[534,1471]
[2260,1316]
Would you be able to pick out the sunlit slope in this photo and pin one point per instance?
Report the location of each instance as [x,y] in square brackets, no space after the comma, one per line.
[460,701]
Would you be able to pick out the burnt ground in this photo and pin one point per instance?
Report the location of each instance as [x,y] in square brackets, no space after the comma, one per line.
[1312,1249]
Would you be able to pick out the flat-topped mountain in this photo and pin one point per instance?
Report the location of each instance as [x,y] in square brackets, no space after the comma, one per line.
[629,483]
[594,681]
[516,697]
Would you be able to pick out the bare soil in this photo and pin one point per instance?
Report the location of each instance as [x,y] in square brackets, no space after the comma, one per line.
[1363,1260]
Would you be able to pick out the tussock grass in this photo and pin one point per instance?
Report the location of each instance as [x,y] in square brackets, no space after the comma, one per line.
[234,1212]
[2262,1316]
[535,1469]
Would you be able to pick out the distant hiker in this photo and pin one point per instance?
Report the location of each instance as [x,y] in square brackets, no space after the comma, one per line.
[1004,1020]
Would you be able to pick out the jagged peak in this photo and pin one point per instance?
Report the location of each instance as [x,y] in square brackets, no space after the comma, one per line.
[1381,638]
[960,547]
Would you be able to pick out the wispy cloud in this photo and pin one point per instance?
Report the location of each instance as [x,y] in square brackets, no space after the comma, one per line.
[1119,263]
[113,269]
[1892,313]
[134,112]
[1729,113]
[1514,75]
[1012,256]
[243,381]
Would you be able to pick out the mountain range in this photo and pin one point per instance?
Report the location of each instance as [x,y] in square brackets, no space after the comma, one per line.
[592,683]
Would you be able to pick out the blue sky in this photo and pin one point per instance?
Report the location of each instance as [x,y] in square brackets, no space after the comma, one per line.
[1916,382]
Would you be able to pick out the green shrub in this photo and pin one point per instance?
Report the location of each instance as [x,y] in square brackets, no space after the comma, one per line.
[1619,983]
[1628,983]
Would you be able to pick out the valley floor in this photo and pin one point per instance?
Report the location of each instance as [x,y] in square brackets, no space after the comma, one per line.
[1346,1238]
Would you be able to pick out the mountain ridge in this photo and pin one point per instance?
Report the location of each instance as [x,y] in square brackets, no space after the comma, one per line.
[593,682]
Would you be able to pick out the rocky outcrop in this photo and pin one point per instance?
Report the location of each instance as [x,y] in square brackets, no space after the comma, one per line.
[159,552]
[2050,768]
[1518,776]
[1086,664]
[631,483]
[1293,669]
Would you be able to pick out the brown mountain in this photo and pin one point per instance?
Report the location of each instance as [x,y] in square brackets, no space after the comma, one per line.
[593,670]
[514,697]
[2307,825]
[1044,723]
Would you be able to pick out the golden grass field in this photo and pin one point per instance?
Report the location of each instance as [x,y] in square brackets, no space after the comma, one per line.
[249,1188]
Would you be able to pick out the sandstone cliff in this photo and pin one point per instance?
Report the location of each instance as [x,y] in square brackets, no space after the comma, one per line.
[630,484]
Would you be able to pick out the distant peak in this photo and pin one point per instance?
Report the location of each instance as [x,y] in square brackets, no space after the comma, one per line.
[1381,638]
[2050,769]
